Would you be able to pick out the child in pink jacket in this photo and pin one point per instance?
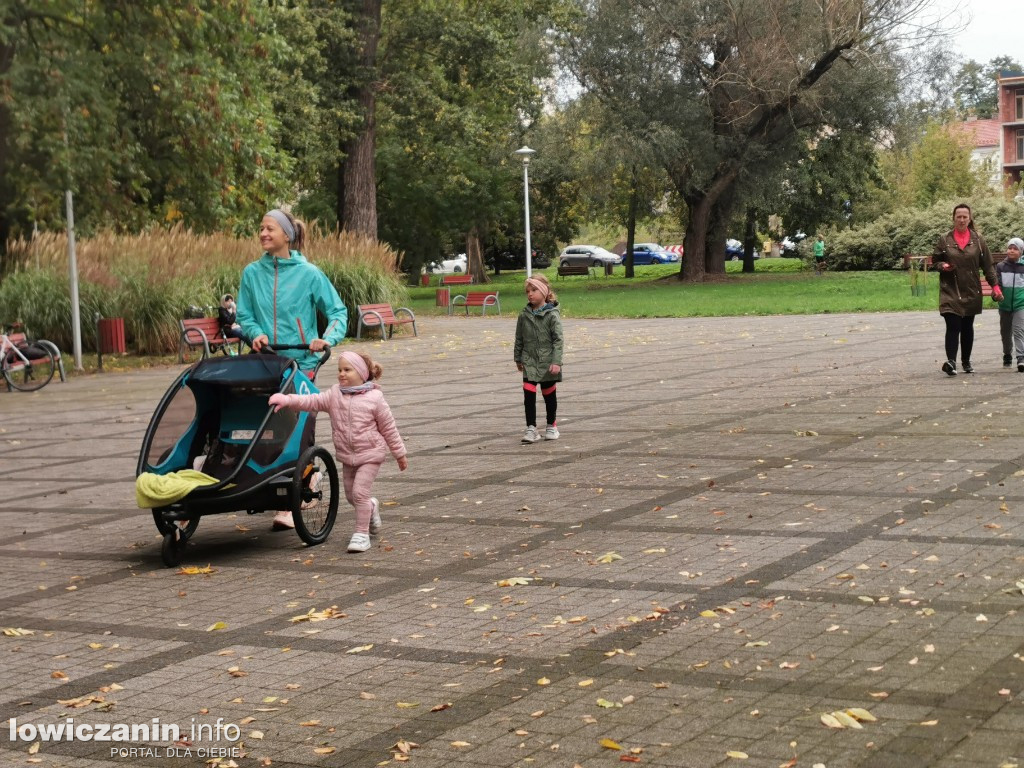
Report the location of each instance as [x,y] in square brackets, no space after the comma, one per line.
[363,430]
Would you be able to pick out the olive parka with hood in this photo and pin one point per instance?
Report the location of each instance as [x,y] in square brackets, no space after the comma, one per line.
[960,288]
[539,342]
[280,298]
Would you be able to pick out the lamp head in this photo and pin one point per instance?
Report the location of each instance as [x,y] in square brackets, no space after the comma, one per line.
[525,153]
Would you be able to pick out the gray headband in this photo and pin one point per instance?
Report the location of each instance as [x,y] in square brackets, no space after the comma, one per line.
[282,218]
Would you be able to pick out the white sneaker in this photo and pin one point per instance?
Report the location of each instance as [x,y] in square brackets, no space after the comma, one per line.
[531,435]
[283,522]
[551,433]
[360,542]
[375,522]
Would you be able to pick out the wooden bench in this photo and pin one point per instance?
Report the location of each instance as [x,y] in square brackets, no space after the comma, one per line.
[482,299]
[205,332]
[456,280]
[384,317]
[567,270]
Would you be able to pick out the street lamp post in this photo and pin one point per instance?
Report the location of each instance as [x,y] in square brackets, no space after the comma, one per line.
[526,153]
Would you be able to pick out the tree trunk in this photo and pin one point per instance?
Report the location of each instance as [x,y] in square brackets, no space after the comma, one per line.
[692,269]
[359,176]
[750,239]
[6,188]
[474,258]
[627,256]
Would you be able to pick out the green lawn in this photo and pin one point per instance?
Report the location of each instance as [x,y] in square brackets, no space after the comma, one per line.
[778,287]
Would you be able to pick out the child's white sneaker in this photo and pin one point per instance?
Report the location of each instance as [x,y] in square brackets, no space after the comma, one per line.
[360,542]
[551,433]
[531,435]
[283,522]
[375,522]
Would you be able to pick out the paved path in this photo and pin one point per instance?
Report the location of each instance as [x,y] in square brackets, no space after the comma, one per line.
[748,523]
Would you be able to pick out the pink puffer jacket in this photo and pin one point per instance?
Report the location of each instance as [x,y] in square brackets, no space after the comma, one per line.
[362,425]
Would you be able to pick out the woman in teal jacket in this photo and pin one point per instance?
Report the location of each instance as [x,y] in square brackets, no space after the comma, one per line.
[282,292]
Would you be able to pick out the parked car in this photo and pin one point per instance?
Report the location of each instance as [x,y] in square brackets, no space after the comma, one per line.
[513,260]
[651,253]
[734,250]
[446,266]
[788,246]
[587,255]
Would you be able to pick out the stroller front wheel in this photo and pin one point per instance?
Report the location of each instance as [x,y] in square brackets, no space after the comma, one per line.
[170,550]
[170,526]
[314,495]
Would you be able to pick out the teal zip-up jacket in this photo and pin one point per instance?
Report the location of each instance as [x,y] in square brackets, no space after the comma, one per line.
[280,298]
[539,342]
[1011,280]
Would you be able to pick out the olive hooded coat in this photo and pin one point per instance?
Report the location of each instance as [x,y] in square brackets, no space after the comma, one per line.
[960,288]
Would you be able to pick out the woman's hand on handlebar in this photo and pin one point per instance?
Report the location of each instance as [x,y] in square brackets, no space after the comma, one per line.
[259,342]
[317,345]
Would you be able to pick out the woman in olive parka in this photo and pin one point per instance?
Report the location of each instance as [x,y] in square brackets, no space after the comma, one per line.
[958,255]
[538,354]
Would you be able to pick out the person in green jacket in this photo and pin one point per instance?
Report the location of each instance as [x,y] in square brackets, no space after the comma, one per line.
[282,292]
[538,355]
[279,298]
[1010,272]
[819,255]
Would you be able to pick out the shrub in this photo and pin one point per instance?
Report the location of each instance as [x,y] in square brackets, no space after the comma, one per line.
[881,244]
[150,278]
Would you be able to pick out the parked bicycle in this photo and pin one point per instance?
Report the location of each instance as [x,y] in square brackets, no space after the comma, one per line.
[25,365]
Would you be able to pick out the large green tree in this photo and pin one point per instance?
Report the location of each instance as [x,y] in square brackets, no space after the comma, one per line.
[459,86]
[731,91]
[153,111]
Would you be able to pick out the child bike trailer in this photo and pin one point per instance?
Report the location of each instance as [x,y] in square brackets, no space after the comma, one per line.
[214,445]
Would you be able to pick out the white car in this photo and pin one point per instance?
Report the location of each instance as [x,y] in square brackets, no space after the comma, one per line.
[588,255]
[445,266]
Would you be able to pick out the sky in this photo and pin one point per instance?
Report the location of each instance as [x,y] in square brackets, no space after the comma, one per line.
[992,27]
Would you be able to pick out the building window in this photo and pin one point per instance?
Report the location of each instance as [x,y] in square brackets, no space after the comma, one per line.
[1020,145]
[1019,103]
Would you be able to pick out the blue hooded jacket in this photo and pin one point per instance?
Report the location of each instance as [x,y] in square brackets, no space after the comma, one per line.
[280,298]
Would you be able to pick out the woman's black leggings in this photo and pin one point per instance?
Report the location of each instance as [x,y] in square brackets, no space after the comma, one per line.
[547,389]
[959,333]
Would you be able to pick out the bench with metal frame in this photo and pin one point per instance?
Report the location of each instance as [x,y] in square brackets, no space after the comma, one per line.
[384,317]
[482,299]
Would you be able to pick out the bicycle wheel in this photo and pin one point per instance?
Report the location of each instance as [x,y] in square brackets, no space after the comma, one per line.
[314,495]
[33,374]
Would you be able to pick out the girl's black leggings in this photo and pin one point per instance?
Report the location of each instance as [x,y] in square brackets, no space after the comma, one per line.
[959,333]
[547,389]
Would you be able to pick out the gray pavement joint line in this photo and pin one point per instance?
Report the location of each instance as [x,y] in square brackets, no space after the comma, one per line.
[19,538]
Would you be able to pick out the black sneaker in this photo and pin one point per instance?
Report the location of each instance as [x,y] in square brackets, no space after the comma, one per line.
[949,368]
[968,368]
[1020,366]
[1007,361]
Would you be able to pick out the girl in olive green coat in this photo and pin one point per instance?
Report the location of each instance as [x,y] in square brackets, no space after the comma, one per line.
[538,354]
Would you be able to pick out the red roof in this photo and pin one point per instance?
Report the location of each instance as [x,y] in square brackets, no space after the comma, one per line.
[980,133]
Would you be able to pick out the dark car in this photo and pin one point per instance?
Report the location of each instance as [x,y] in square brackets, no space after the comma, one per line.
[513,260]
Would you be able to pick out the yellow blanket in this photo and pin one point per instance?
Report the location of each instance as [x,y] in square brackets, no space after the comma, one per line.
[152,490]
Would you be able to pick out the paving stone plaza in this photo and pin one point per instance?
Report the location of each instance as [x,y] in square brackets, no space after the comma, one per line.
[762,542]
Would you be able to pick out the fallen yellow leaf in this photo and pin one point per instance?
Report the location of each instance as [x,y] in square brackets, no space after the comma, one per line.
[737,755]
[360,648]
[609,744]
[218,625]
